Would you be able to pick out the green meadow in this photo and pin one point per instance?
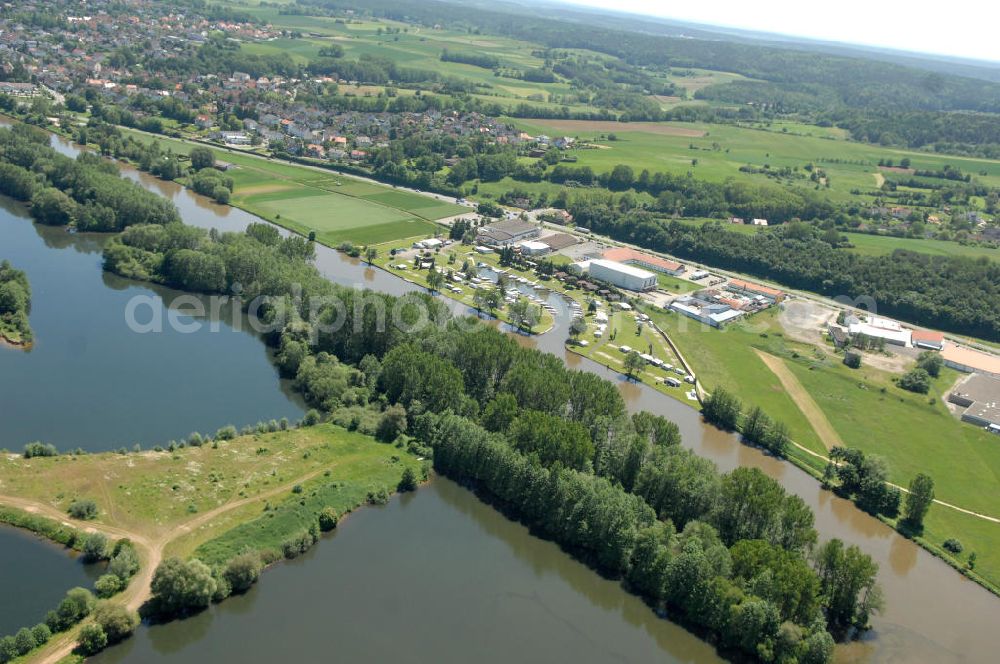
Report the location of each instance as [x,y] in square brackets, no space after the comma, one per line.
[913,432]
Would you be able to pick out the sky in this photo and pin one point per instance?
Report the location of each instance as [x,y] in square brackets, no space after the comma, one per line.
[965,28]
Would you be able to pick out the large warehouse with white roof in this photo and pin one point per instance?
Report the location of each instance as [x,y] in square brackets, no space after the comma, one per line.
[619,274]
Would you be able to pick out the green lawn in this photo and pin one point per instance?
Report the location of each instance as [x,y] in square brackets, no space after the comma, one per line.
[726,358]
[675,285]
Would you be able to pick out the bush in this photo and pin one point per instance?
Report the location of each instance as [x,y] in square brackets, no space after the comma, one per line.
[953,545]
[92,639]
[328,519]
[391,424]
[124,562]
[83,509]
[42,633]
[916,380]
[380,497]
[24,641]
[408,482]
[296,546]
[243,571]
[179,587]
[115,621]
[108,585]
[76,606]
[195,440]
[95,547]
[37,449]
[226,433]
[852,359]
[312,418]
[930,362]
[8,649]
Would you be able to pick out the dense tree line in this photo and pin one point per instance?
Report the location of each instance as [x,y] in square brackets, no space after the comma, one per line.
[86,192]
[952,293]
[975,134]
[475,59]
[15,304]
[552,447]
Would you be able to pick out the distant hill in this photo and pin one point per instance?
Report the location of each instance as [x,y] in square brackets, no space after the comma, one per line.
[850,77]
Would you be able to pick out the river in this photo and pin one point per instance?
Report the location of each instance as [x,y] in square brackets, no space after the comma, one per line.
[435,576]
[933,614]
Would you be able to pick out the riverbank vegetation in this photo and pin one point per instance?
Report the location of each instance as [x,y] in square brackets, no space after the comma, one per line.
[86,193]
[15,305]
[629,473]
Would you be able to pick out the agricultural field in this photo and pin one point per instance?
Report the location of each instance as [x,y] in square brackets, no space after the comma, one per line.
[419,48]
[878,245]
[720,151]
[337,207]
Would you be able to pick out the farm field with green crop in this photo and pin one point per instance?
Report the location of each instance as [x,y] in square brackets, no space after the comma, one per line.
[878,245]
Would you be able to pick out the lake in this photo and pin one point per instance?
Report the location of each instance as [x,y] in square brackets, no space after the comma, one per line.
[91,382]
[37,573]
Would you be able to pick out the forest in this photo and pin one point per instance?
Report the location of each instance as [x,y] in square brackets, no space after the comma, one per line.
[952,293]
[732,555]
[87,193]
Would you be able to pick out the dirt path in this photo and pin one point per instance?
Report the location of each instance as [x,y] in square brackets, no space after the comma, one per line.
[802,399]
[150,552]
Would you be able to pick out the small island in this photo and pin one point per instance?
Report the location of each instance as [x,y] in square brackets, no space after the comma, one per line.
[15,305]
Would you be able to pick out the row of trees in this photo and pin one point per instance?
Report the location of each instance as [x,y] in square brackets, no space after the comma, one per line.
[555,447]
[725,410]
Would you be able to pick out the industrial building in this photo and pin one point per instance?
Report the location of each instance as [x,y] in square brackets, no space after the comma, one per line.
[928,340]
[715,314]
[879,328]
[645,261]
[968,360]
[618,274]
[534,248]
[757,290]
[979,395]
[504,233]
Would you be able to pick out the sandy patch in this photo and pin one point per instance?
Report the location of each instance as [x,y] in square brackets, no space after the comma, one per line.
[806,321]
[262,189]
[897,169]
[606,126]
[817,418]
